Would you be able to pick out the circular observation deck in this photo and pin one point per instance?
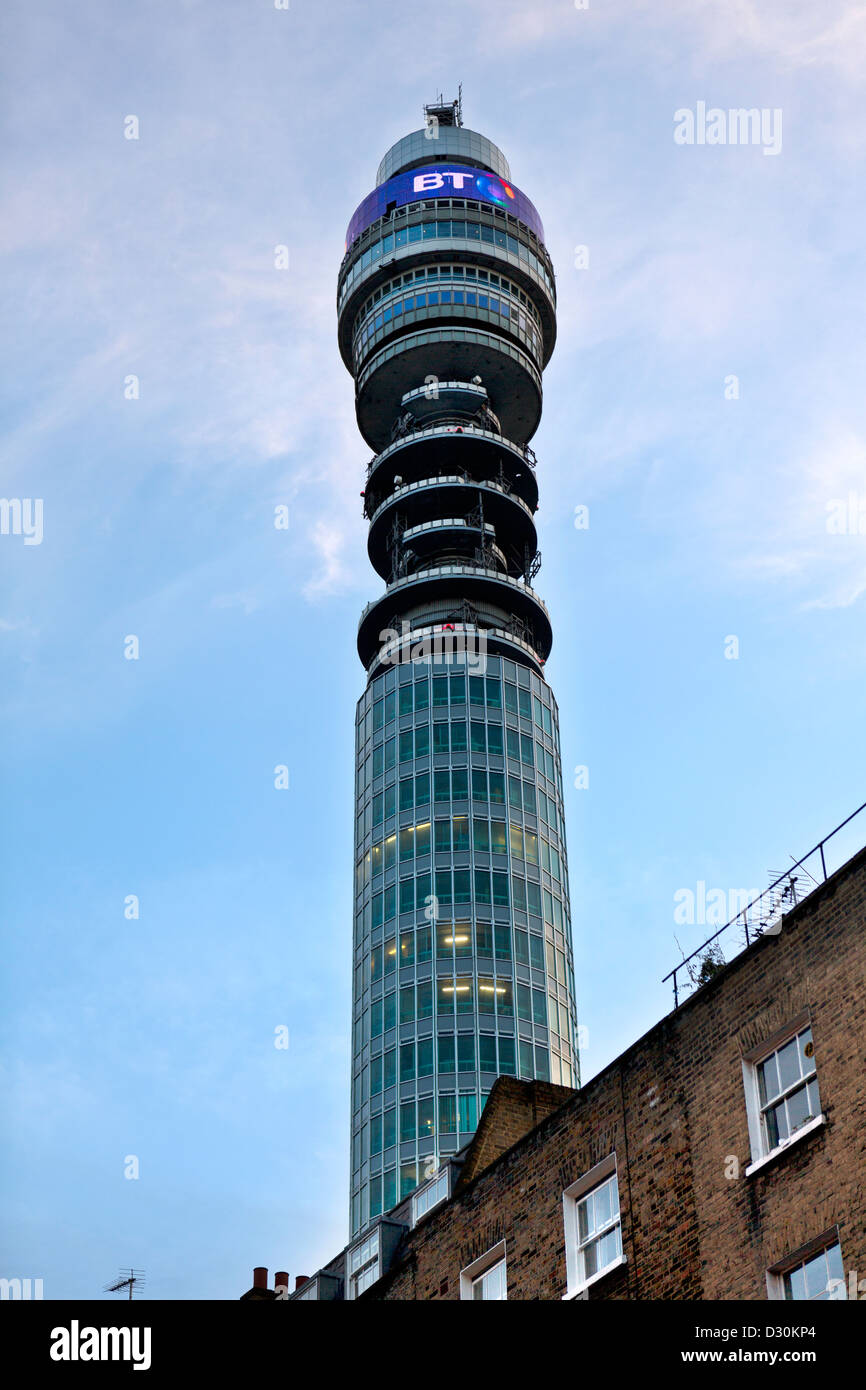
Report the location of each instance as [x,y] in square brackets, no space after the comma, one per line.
[438,595]
[448,447]
[455,353]
[416,256]
[440,513]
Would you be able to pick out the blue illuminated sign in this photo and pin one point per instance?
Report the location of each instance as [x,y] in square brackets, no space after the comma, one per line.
[443,181]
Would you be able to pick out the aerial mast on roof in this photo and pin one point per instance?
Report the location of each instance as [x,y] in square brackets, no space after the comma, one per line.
[127,1279]
[442,112]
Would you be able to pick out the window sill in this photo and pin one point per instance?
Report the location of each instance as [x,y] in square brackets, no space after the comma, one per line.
[795,1138]
[602,1274]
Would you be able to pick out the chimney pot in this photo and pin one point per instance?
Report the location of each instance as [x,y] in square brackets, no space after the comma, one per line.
[260,1277]
[300,1279]
[281,1279]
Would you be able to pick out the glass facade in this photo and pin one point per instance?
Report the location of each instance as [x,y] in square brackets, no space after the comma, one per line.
[449,142]
[494,232]
[462,943]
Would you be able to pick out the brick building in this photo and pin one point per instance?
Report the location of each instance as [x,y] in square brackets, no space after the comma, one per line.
[720,1157]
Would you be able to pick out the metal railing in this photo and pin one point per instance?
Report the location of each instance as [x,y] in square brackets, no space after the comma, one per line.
[433,630]
[465,570]
[443,427]
[447,480]
[765,920]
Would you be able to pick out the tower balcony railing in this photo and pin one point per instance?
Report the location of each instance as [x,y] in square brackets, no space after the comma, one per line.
[390,653]
[466,570]
[447,523]
[427,337]
[447,480]
[451,425]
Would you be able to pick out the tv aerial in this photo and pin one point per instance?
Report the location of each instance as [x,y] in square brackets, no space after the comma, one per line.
[126,1279]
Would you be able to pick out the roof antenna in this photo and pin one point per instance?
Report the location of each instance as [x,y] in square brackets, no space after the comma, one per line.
[126,1279]
[441,112]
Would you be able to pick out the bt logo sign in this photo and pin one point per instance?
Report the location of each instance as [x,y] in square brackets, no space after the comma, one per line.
[486,186]
[425,183]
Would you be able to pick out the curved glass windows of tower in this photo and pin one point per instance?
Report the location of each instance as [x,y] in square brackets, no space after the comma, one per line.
[462,929]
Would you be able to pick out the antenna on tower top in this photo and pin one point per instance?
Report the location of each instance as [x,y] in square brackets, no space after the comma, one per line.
[126,1279]
[442,112]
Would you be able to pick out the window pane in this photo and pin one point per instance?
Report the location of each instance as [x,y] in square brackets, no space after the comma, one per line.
[465,1058]
[584,1219]
[777,1128]
[407,1121]
[468,1112]
[447,1113]
[462,889]
[798,1109]
[497,787]
[788,1058]
[507,1061]
[440,738]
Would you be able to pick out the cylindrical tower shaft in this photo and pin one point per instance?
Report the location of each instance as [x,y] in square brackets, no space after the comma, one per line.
[463,967]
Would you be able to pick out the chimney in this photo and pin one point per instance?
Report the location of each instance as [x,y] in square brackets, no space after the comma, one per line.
[260,1278]
[281,1279]
[300,1279]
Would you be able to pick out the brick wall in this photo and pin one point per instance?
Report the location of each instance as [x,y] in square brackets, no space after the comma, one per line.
[673,1109]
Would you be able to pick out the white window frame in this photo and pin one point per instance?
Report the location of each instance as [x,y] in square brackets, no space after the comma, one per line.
[431,1194]
[478,1268]
[571,1197]
[777,1273]
[758,1140]
[361,1261]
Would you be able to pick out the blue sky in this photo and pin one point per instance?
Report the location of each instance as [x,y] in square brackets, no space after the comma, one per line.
[708,518]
